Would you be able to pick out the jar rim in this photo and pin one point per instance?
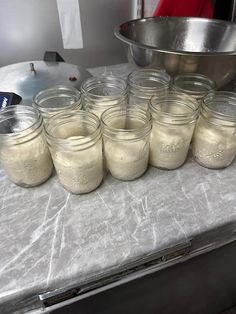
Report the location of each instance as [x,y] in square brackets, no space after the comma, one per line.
[126,134]
[27,133]
[159,76]
[55,89]
[103,104]
[75,142]
[174,97]
[91,81]
[209,105]
[197,80]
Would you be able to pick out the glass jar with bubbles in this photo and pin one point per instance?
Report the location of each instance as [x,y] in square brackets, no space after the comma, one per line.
[214,140]
[75,142]
[145,83]
[193,84]
[56,99]
[24,153]
[174,116]
[101,93]
[126,134]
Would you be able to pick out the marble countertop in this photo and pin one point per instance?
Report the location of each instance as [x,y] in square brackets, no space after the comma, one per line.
[52,239]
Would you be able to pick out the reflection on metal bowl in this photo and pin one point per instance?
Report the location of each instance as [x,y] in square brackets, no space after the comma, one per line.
[182,45]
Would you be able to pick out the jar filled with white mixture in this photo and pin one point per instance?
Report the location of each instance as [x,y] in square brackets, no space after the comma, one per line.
[101,93]
[145,83]
[56,99]
[214,140]
[24,153]
[174,117]
[75,143]
[195,85]
[126,135]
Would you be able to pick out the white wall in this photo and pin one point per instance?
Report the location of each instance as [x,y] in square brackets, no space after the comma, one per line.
[30,27]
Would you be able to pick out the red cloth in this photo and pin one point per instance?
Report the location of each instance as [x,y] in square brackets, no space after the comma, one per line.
[200,8]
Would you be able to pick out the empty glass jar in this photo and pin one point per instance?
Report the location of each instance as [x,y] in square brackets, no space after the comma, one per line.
[195,85]
[75,143]
[214,140]
[126,135]
[174,117]
[56,99]
[23,149]
[101,93]
[145,83]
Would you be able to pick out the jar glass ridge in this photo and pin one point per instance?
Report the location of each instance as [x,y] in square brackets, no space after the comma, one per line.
[56,99]
[174,118]
[126,135]
[145,83]
[193,84]
[101,93]
[23,149]
[214,140]
[75,143]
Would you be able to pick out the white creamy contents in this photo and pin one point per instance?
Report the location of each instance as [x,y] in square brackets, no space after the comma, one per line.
[27,164]
[214,147]
[79,171]
[169,145]
[126,160]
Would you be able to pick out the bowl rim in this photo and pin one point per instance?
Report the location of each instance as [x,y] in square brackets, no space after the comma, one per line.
[118,28]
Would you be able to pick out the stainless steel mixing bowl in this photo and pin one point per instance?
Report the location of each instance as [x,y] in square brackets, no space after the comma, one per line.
[182,45]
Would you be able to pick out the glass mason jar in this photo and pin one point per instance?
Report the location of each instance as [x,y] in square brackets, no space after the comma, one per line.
[56,99]
[126,133]
[195,85]
[174,117]
[101,93]
[23,149]
[214,139]
[145,83]
[75,142]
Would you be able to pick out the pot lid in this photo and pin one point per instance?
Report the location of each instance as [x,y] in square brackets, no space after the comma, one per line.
[28,78]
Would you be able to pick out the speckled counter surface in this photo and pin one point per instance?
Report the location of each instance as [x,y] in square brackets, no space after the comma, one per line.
[52,239]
